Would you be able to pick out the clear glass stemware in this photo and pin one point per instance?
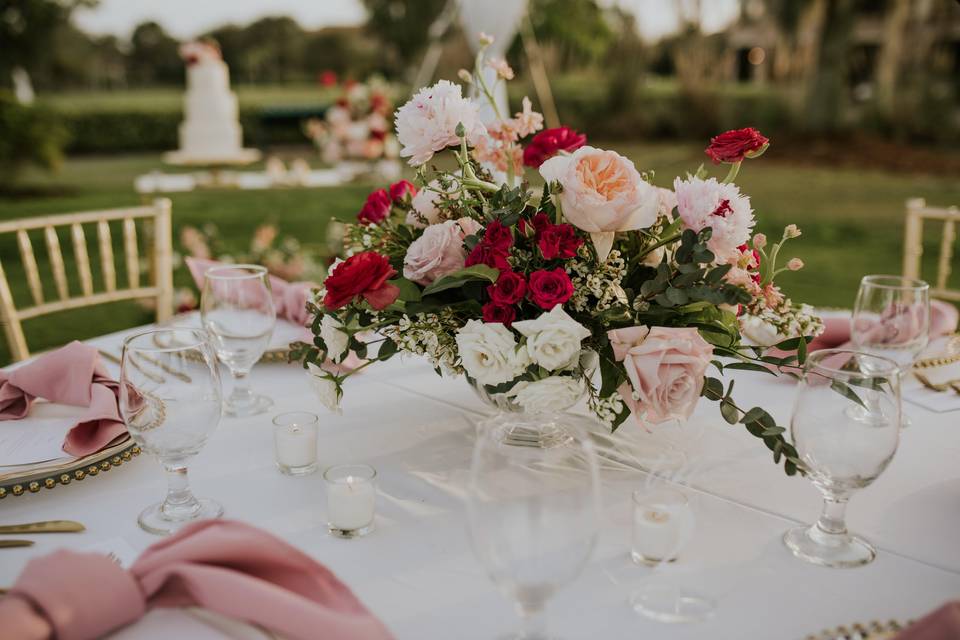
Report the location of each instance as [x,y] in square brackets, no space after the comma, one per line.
[846,428]
[170,399]
[891,318]
[533,516]
[238,312]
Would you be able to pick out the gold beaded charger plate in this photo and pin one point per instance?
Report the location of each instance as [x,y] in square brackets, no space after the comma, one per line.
[31,478]
[874,630]
[278,350]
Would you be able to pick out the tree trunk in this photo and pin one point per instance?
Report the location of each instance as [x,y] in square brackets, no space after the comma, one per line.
[827,90]
[890,61]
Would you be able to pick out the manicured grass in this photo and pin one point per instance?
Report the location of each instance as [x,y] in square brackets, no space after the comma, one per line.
[852,220]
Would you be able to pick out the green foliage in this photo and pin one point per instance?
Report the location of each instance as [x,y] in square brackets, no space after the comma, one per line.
[28,135]
[402,28]
[475,273]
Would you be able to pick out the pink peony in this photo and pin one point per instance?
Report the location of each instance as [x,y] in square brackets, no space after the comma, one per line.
[428,122]
[439,251]
[708,203]
[602,193]
[668,200]
[665,370]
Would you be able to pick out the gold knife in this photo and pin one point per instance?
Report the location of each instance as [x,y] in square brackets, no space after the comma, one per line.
[50,526]
[5,544]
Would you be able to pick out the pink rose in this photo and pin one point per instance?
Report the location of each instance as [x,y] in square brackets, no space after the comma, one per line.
[665,370]
[438,252]
[602,193]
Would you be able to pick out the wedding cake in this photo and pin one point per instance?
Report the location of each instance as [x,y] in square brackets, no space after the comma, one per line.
[210,132]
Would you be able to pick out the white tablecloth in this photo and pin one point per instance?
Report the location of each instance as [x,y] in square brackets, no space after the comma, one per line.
[417,571]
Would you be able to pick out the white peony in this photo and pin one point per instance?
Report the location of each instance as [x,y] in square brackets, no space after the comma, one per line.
[489,352]
[708,203]
[324,386]
[553,339]
[555,393]
[428,122]
[336,340]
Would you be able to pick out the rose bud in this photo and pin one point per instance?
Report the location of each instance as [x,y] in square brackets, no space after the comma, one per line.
[795,264]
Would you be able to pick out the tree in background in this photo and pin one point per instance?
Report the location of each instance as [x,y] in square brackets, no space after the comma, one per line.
[578,31]
[402,29]
[154,57]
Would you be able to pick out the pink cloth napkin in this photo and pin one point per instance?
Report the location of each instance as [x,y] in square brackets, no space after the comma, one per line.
[836,333]
[942,624]
[70,375]
[223,566]
[289,298]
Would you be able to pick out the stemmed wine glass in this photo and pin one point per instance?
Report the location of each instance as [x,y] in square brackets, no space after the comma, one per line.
[533,516]
[846,427]
[891,318]
[170,399]
[238,312]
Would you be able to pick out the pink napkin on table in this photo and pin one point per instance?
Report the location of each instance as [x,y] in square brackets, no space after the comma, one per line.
[942,624]
[70,375]
[836,332]
[289,298]
[223,566]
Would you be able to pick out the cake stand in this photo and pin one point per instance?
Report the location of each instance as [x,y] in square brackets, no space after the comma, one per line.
[216,165]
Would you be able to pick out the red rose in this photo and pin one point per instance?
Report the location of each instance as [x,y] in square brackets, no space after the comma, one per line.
[549,142]
[509,288]
[363,274]
[493,312]
[328,78]
[498,236]
[550,288]
[558,241]
[489,255]
[538,223]
[735,145]
[399,191]
[376,208]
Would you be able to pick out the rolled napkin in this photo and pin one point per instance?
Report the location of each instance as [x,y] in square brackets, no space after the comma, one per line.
[942,624]
[71,375]
[289,298]
[223,566]
[836,332]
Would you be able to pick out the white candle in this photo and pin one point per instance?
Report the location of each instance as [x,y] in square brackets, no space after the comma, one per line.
[295,442]
[351,499]
[662,525]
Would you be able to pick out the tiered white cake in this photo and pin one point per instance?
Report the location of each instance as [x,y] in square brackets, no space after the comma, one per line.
[210,132]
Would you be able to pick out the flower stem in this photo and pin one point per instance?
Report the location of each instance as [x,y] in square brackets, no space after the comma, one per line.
[734,170]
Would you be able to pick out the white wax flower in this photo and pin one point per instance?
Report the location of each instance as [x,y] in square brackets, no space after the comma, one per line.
[336,340]
[489,352]
[324,386]
[553,339]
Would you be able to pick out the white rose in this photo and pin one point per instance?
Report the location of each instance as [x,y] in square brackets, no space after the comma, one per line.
[760,332]
[336,340]
[324,387]
[555,393]
[553,339]
[489,352]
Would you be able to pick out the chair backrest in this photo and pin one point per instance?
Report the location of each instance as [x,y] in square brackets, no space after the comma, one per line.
[917,212]
[158,244]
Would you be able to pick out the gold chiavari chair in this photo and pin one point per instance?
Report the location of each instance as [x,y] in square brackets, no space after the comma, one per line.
[917,212]
[155,226]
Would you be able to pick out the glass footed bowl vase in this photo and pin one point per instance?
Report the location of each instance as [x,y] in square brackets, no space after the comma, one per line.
[511,424]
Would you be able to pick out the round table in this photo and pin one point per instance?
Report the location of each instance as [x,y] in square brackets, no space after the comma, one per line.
[416,571]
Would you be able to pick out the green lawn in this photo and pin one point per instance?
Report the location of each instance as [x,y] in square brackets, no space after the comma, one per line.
[852,220]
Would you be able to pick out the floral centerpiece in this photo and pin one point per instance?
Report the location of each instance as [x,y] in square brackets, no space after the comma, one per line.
[529,291]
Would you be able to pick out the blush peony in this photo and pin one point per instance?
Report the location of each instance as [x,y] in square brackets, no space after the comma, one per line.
[436,253]
[602,193]
[708,203]
[428,122]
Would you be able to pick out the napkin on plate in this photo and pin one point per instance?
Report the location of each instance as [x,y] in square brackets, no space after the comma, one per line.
[71,375]
[289,298]
[836,332]
[227,567]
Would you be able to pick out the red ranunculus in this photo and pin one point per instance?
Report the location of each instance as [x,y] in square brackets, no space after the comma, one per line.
[498,236]
[363,274]
[737,144]
[558,241]
[399,191]
[549,142]
[489,255]
[549,288]
[509,288]
[493,312]
[376,208]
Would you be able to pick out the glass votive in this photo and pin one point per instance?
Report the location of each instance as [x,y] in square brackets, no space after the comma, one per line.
[295,442]
[351,499]
[662,525]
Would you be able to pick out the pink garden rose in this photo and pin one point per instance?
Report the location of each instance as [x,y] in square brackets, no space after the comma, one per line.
[720,206]
[602,193]
[423,206]
[665,370]
[428,122]
[439,251]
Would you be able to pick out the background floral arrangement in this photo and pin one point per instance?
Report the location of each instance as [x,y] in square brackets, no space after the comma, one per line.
[356,126]
[528,292]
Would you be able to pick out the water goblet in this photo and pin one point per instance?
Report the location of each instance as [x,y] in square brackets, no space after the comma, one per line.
[238,312]
[891,318]
[171,401]
[845,427]
[533,517]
